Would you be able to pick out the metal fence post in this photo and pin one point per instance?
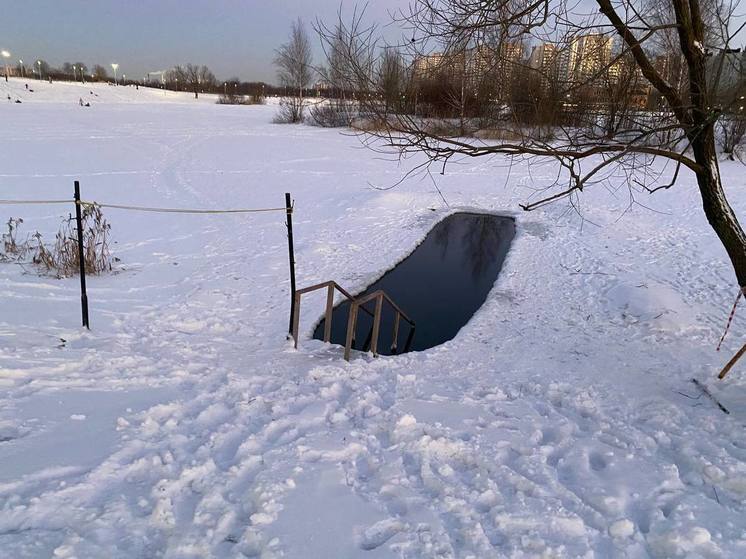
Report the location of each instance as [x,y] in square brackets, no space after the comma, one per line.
[291,255]
[81,257]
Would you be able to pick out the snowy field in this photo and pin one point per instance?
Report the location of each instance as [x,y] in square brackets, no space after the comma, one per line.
[560,422]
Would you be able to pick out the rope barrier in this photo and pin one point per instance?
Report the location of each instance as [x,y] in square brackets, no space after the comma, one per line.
[145,209]
[181,210]
[25,202]
[741,293]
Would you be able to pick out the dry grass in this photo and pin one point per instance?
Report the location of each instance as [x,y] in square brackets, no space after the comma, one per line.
[12,248]
[237,99]
[498,134]
[62,259]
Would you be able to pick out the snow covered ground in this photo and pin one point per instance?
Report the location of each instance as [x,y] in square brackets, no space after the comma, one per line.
[560,422]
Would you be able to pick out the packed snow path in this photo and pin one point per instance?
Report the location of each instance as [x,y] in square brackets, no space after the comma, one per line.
[559,422]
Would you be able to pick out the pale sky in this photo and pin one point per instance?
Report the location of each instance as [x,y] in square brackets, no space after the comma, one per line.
[232,37]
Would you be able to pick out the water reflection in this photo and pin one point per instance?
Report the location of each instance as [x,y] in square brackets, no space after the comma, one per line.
[480,241]
[440,285]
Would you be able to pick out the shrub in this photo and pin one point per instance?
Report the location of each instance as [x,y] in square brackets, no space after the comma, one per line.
[290,111]
[732,129]
[331,114]
[254,100]
[12,249]
[62,258]
[230,99]
[236,99]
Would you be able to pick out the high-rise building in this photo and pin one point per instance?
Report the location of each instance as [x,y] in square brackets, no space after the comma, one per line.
[585,57]
[430,65]
[542,56]
[545,60]
[474,65]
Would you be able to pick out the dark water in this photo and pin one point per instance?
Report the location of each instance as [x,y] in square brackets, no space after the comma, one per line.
[440,285]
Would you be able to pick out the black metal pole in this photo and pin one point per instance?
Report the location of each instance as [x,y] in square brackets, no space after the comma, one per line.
[291,254]
[81,257]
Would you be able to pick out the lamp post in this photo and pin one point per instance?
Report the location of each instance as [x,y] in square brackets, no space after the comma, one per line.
[23,70]
[38,66]
[115,67]
[75,75]
[6,55]
[124,79]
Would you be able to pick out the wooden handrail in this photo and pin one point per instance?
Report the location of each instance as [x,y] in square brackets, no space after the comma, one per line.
[379,296]
[375,294]
[355,305]
[330,286]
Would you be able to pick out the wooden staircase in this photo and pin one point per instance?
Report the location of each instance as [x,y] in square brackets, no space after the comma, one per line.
[380,297]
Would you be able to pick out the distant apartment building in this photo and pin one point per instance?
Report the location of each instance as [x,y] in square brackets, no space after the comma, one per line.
[430,65]
[585,58]
[474,66]
[545,60]
[727,70]
[512,52]
[623,76]
[542,56]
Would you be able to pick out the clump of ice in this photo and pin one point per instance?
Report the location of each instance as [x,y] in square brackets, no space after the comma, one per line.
[622,528]
[9,430]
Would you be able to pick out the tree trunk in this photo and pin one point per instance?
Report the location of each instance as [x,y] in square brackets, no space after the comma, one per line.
[700,124]
[719,213]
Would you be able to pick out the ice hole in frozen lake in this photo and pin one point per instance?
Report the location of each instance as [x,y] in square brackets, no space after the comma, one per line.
[440,285]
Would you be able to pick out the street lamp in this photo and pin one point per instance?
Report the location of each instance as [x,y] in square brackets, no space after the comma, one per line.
[6,55]
[115,67]
[124,79]
[23,70]
[75,76]
[38,65]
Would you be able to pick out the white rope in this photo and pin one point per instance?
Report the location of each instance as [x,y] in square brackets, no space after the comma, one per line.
[24,202]
[145,209]
[181,210]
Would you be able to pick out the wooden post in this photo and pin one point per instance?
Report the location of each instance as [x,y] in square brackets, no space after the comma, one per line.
[295,319]
[732,362]
[351,325]
[376,325]
[291,254]
[410,337]
[329,312]
[81,257]
[397,319]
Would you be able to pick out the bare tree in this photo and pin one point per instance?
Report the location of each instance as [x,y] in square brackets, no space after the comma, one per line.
[732,129]
[682,131]
[175,78]
[100,73]
[624,91]
[196,78]
[192,77]
[338,75]
[294,71]
[391,78]
[82,68]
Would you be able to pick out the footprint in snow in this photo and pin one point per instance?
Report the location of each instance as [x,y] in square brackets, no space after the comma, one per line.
[378,534]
